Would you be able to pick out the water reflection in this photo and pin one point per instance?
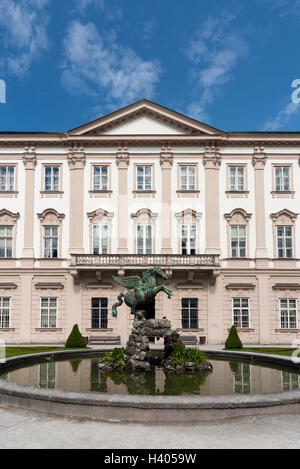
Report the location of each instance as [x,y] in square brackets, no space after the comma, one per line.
[82,375]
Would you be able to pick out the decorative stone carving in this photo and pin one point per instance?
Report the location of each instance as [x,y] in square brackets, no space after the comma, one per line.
[259,157]
[50,216]
[76,157]
[29,158]
[284,217]
[238,216]
[166,158]
[212,158]
[8,218]
[122,158]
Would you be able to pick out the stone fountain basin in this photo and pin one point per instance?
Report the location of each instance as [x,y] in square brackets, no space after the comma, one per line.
[147,409]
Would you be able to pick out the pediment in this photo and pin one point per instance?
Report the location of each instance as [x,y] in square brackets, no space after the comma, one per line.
[144,118]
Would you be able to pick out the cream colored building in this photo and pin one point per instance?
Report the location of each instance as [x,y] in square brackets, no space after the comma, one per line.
[144,186]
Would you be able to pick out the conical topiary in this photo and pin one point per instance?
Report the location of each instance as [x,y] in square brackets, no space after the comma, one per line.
[75,339]
[233,341]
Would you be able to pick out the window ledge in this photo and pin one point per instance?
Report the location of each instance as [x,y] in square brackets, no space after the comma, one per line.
[237,192]
[7,329]
[99,330]
[51,192]
[144,192]
[48,329]
[190,330]
[293,331]
[9,193]
[244,329]
[100,193]
[283,194]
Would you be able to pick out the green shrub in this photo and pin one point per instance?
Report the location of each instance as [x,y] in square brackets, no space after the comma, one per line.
[233,341]
[181,356]
[75,339]
[116,357]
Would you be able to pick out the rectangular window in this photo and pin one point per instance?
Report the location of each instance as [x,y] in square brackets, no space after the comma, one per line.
[189,313]
[6,241]
[47,375]
[284,241]
[51,242]
[144,239]
[237,178]
[241,313]
[187,178]
[288,313]
[283,178]
[188,239]
[290,381]
[100,178]
[99,313]
[238,241]
[52,178]
[144,178]
[242,378]
[48,313]
[4,313]
[7,178]
[100,239]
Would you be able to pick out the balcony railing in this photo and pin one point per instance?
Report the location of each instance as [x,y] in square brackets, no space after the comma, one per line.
[135,260]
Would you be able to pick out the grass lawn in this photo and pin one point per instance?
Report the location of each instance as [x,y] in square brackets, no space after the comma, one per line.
[272,350]
[14,351]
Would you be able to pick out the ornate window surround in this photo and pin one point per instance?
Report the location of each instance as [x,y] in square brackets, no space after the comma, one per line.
[50,193]
[144,193]
[95,193]
[283,218]
[237,217]
[8,218]
[15,192]
[282,194]
[188,217]
[145,216]
[50,217]
[237,194]
[188,193]
[100,217]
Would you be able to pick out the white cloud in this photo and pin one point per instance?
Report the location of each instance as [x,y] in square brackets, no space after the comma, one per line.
[282,117]
[82,5]
[23,26]
[215,50]
[98,65]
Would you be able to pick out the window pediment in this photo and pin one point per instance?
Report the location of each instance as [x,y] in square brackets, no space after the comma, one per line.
[284,217]
[7,217]
[238,216]
[51,216]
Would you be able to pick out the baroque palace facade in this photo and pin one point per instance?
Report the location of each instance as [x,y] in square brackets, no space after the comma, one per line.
[145,186]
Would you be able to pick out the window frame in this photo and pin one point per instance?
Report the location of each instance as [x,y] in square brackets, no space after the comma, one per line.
[51,238]
[188,238]
[102,187]
[8,190]
[144,237]
[288,313]
[101,324]
[9,313]
[284,248]
[100,227]
[240,308]
[191,325]
[52,188]
[236,178]
[48,307]
[144,188]
[238,240]
[6,238]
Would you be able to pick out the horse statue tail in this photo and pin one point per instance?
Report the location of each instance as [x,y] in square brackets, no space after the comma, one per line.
[116,305]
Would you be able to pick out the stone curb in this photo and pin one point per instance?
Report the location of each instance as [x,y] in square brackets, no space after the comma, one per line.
[144,408]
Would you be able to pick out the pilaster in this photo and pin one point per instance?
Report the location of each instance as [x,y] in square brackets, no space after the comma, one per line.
[76,160]
[259,161]
[212,161]
[122,161]
[166,163]
[30,162]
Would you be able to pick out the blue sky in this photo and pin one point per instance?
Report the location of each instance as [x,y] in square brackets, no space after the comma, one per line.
[229,64]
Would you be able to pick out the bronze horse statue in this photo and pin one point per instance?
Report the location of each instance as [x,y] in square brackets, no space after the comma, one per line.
[142,291]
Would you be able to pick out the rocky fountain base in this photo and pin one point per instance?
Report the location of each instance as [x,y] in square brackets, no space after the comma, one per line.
[137,352]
